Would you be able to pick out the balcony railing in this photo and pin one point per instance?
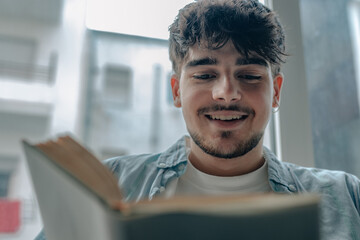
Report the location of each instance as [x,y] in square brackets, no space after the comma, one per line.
[29,72]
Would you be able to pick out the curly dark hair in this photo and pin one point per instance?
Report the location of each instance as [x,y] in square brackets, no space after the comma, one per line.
[252,27]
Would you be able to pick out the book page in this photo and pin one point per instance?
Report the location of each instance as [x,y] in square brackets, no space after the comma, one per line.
[85,167]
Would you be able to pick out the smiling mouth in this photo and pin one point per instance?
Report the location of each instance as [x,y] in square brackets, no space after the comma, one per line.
[227,118]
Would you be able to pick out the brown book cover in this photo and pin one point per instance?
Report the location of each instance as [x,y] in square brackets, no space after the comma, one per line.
[79,199]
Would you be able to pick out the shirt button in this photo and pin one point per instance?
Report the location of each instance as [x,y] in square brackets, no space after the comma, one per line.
[292,188]
[162,165]
[181,167]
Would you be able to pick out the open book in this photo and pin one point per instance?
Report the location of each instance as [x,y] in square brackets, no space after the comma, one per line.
[79,198]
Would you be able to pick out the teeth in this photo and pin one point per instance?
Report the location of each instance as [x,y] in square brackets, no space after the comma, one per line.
[225,118]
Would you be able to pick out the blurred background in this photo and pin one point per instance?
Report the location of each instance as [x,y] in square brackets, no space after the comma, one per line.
[99,70]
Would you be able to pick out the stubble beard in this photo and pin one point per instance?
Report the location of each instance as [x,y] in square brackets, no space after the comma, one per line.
[242,147]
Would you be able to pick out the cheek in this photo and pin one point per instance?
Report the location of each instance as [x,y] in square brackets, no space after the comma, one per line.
[261,101]
[188,102]
[193,95]
[258,93]
[192,99]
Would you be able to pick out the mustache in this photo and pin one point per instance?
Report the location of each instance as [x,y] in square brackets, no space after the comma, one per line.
[218,107]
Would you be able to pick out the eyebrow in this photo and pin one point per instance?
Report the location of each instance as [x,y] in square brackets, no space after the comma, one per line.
[201,61]
[239,61]
[248,61]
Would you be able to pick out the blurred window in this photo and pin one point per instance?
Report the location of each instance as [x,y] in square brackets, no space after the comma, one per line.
[117,86]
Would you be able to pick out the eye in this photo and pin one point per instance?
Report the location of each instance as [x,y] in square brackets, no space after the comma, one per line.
[248,77]
[204,76]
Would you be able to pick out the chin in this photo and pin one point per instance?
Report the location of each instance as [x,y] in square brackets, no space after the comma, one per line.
[226,145]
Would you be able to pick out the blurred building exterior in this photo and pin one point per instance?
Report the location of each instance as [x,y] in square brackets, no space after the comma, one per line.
[128,102]
[108,90]
[32,58]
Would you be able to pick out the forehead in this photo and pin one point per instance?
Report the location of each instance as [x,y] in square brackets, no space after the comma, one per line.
[228,54]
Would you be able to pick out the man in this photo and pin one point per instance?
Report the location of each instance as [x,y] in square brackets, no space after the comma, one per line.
[226,57]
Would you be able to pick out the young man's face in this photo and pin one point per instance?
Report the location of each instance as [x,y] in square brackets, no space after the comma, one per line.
[226,99]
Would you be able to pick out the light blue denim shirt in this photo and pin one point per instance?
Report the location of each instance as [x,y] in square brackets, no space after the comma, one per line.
[144,176]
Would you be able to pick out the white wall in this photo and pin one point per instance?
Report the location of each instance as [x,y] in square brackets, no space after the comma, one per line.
[295,127]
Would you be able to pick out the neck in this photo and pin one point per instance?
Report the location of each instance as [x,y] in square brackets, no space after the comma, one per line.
[209,164]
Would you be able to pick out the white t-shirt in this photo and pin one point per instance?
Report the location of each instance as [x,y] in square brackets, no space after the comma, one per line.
[195,182]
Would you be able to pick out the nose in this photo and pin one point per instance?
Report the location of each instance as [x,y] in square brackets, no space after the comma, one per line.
[226,90]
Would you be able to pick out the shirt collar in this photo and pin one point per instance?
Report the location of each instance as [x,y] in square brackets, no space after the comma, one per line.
[174,155]
[279,174]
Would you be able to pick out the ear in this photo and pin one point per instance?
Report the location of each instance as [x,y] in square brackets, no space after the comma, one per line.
[277,82]
[175,87]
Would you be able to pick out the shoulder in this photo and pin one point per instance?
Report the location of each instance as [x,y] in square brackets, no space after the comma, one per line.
[310,179]
[145,162]
[169,157]
[336,187]
[340,195]
[131,163]
[134,174]
[139,175]
[129,170]
[323,178]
